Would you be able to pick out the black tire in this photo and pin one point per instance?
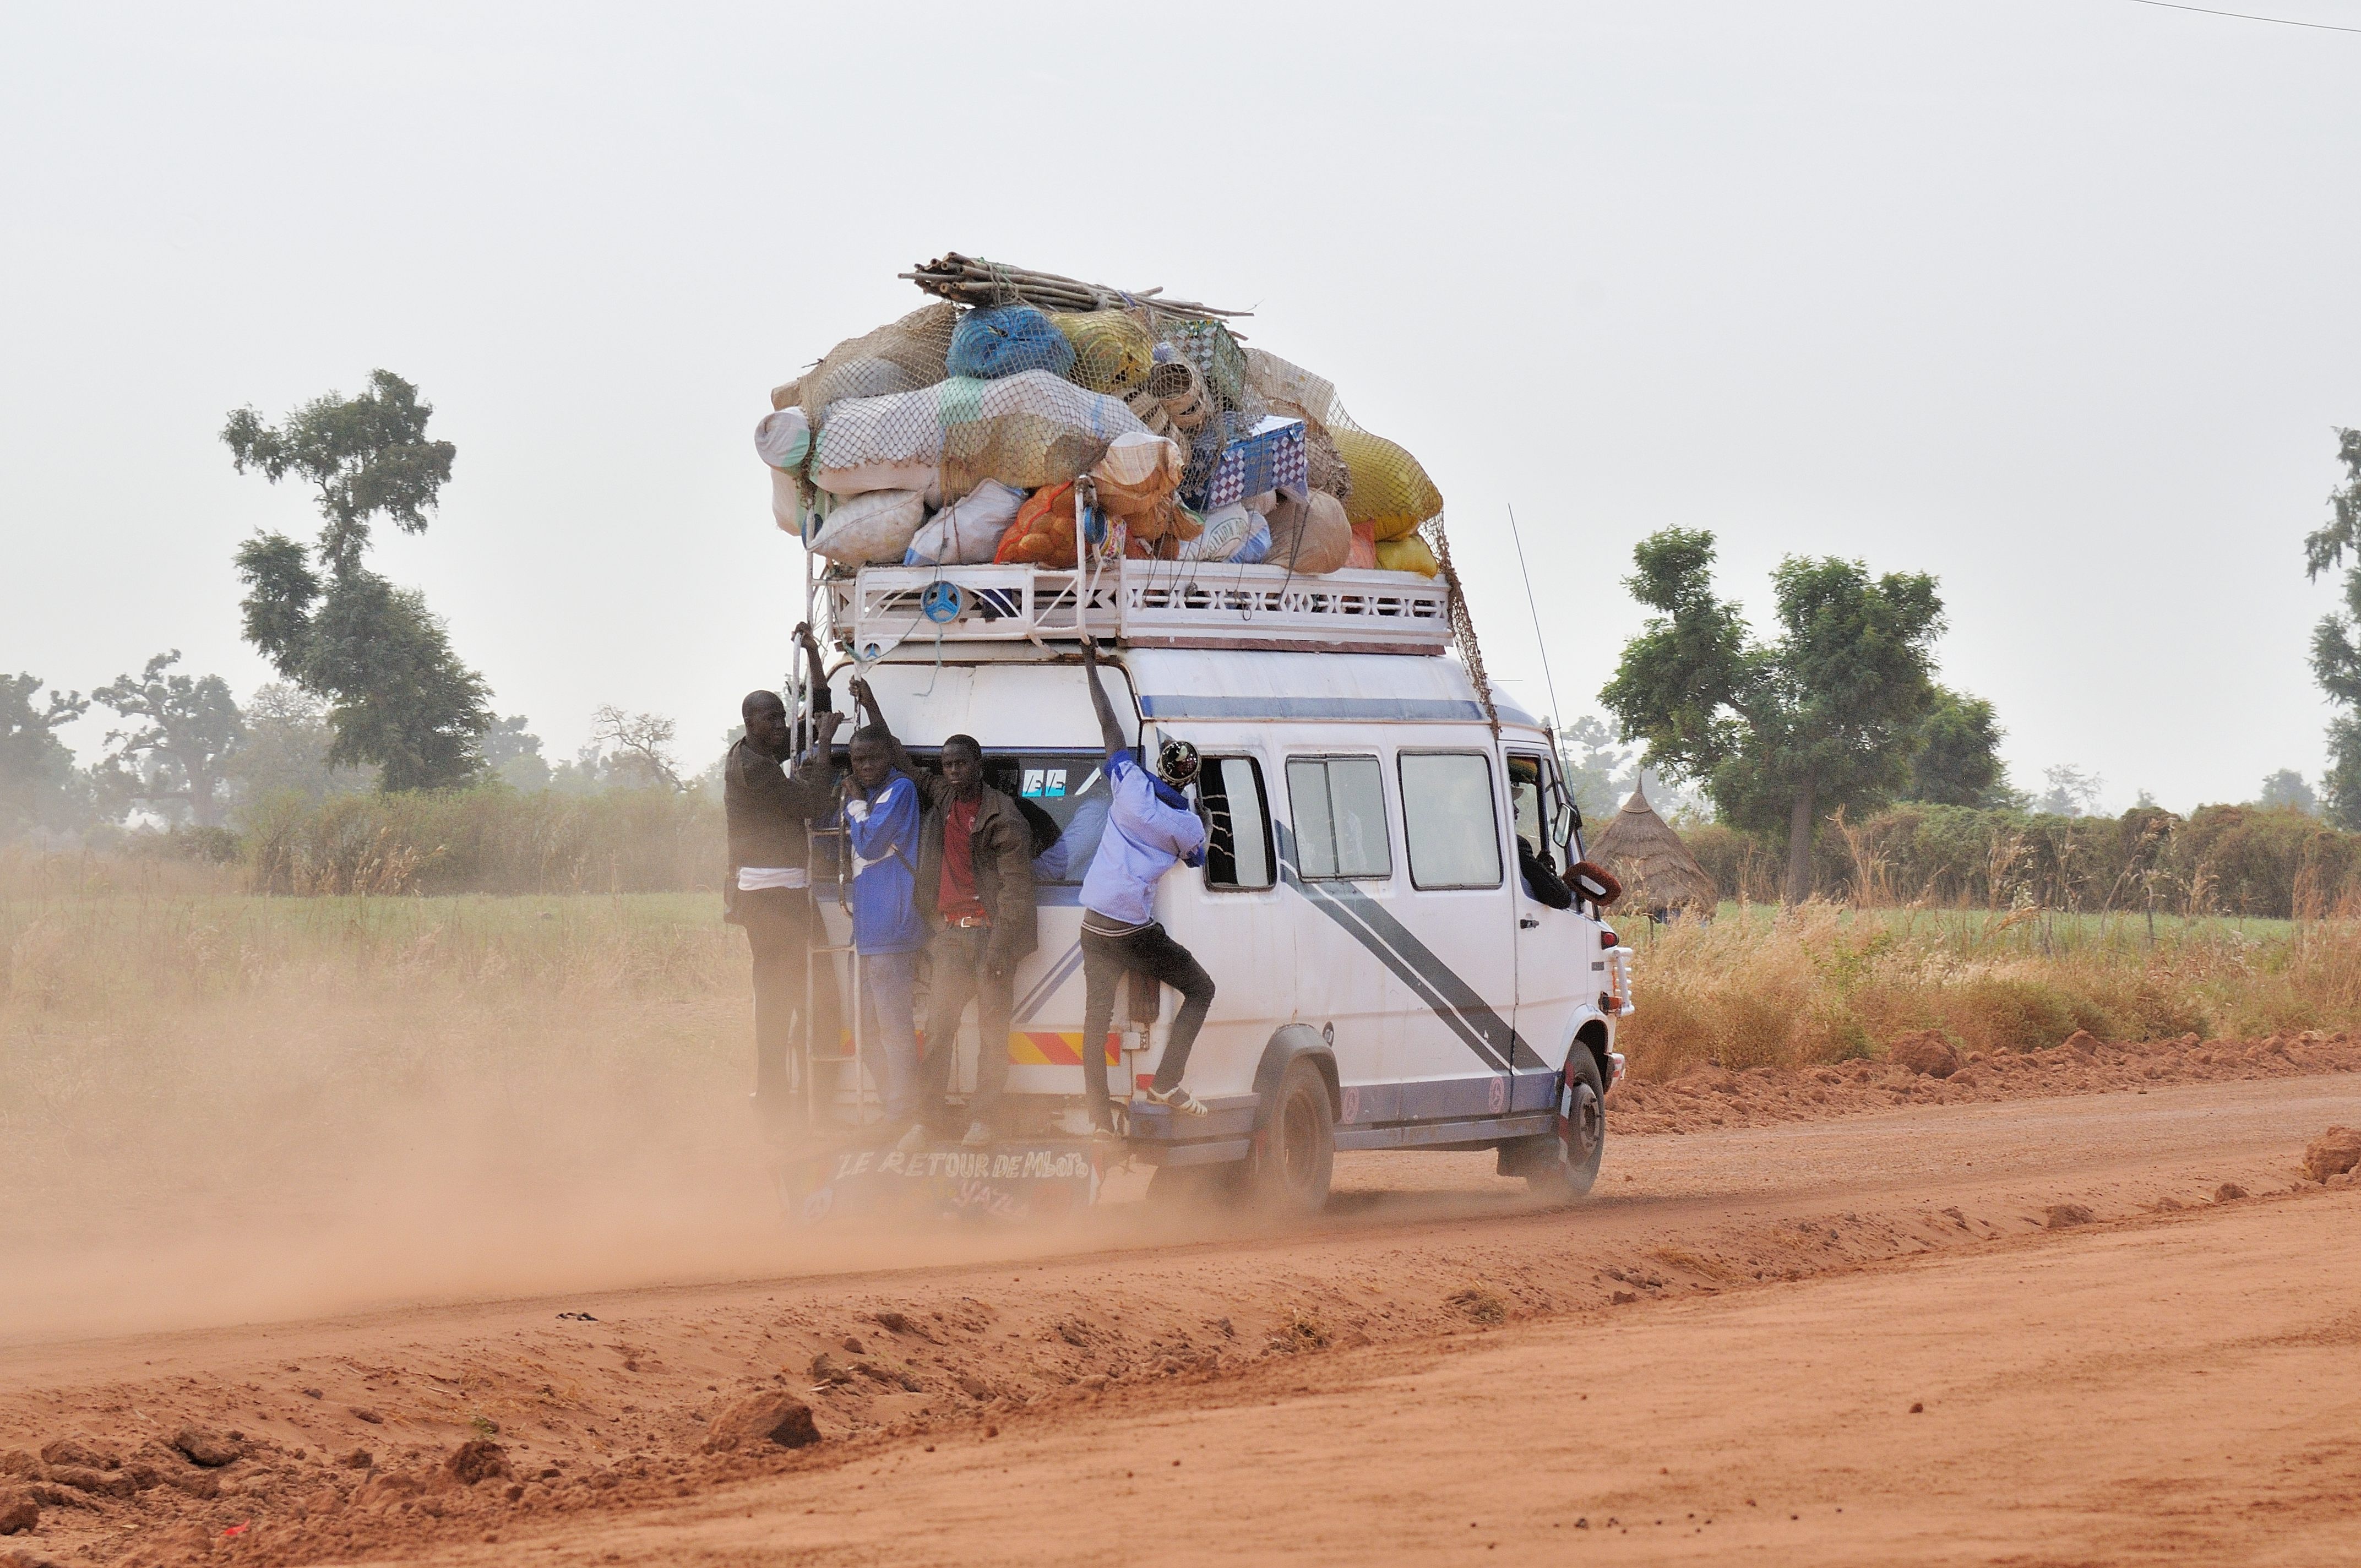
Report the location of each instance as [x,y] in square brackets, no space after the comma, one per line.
[1564,1165]
[1295,1151]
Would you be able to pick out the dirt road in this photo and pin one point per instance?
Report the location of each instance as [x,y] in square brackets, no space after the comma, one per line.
[1734,1332]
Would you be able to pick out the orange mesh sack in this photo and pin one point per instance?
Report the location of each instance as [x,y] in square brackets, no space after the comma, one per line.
[1362,556]
[1043,534]
[1390,492]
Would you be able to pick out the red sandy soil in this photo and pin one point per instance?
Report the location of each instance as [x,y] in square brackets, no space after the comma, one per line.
[2114,1362]
[1709,1096]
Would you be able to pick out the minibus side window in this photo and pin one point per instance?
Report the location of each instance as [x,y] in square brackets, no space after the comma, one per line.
[1531,792]
[1339,806]
[1448,813]
[1237,825]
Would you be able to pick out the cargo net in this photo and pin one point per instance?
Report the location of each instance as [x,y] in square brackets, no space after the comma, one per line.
[957,434]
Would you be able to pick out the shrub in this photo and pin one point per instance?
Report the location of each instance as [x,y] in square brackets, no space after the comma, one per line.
[489,840]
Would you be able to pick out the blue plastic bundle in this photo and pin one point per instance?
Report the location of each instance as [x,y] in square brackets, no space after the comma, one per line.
[1002,340]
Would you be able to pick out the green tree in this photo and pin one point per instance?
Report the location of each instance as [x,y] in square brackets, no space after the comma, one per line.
[1956,756]
[2336,656]
[398,696]
[1780,733]
[285,752]
[1597,769]
[40,785]
[513,752]
[176,752]
[2286,791]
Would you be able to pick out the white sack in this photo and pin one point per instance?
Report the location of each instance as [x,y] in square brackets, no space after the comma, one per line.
[922,478]
[1227,528]
[967,533]
[783,438]
[876,527]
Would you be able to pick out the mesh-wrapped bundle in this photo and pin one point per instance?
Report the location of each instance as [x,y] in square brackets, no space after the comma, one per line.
[1112,349]
[881,443]
[1390,492]
[1027,429]
[900,357]
[1006,340]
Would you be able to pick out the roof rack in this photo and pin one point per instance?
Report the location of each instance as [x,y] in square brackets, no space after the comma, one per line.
[1148,604]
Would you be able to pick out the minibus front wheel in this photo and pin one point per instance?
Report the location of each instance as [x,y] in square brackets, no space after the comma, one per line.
[1563,1164]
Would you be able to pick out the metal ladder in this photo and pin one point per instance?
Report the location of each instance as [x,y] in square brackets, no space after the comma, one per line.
[816,1053]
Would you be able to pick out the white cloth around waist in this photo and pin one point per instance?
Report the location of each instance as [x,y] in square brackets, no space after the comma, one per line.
[753,879]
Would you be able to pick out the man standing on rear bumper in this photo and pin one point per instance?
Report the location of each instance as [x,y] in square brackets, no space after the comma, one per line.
[975,888]
[1150,829]
[767,889]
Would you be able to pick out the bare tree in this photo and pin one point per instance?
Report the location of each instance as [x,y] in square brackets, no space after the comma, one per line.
[642,743]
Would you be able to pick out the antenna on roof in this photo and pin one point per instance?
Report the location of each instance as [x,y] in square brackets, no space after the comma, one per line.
[1555,713]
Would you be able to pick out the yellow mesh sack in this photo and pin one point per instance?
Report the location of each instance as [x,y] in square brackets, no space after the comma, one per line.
[1408,553]
[1112,349]
[1390,492]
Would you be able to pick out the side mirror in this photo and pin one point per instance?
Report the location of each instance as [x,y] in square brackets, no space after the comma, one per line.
[1595,882]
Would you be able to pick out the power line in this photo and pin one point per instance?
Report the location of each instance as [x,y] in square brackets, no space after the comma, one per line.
[2248,16]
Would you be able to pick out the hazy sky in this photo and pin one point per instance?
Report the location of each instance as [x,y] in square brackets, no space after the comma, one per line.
[2055,299]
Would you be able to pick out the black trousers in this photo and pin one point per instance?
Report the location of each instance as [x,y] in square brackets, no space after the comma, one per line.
[957,973]
[1147,952]
[782,927]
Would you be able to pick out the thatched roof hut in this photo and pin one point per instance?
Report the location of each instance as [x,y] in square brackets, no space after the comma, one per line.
[1657,871]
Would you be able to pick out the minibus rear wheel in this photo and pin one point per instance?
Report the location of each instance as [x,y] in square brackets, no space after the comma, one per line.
[1568,1157]
[1295,1152]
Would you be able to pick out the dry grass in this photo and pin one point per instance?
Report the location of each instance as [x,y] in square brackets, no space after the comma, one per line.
[300,1074]
[1762,986]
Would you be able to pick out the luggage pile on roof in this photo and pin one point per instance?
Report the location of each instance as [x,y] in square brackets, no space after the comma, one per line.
[970,431]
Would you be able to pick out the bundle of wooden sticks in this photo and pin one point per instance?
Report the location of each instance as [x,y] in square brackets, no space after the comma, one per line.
[968,281]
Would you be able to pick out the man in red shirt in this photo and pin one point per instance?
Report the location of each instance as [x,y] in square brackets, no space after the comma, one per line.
[975,888]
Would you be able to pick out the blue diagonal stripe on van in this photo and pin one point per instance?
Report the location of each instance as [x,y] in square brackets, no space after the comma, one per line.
[1033,1001]
[1447,995]
[1362,707]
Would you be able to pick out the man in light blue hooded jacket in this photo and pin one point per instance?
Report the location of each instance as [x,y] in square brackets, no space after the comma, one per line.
[1151,829]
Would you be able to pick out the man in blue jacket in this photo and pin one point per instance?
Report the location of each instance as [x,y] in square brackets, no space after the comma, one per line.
[881,817]
[1151,829]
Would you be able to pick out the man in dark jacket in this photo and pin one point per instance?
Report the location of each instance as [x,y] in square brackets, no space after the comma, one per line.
[767,888]
[975,889]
